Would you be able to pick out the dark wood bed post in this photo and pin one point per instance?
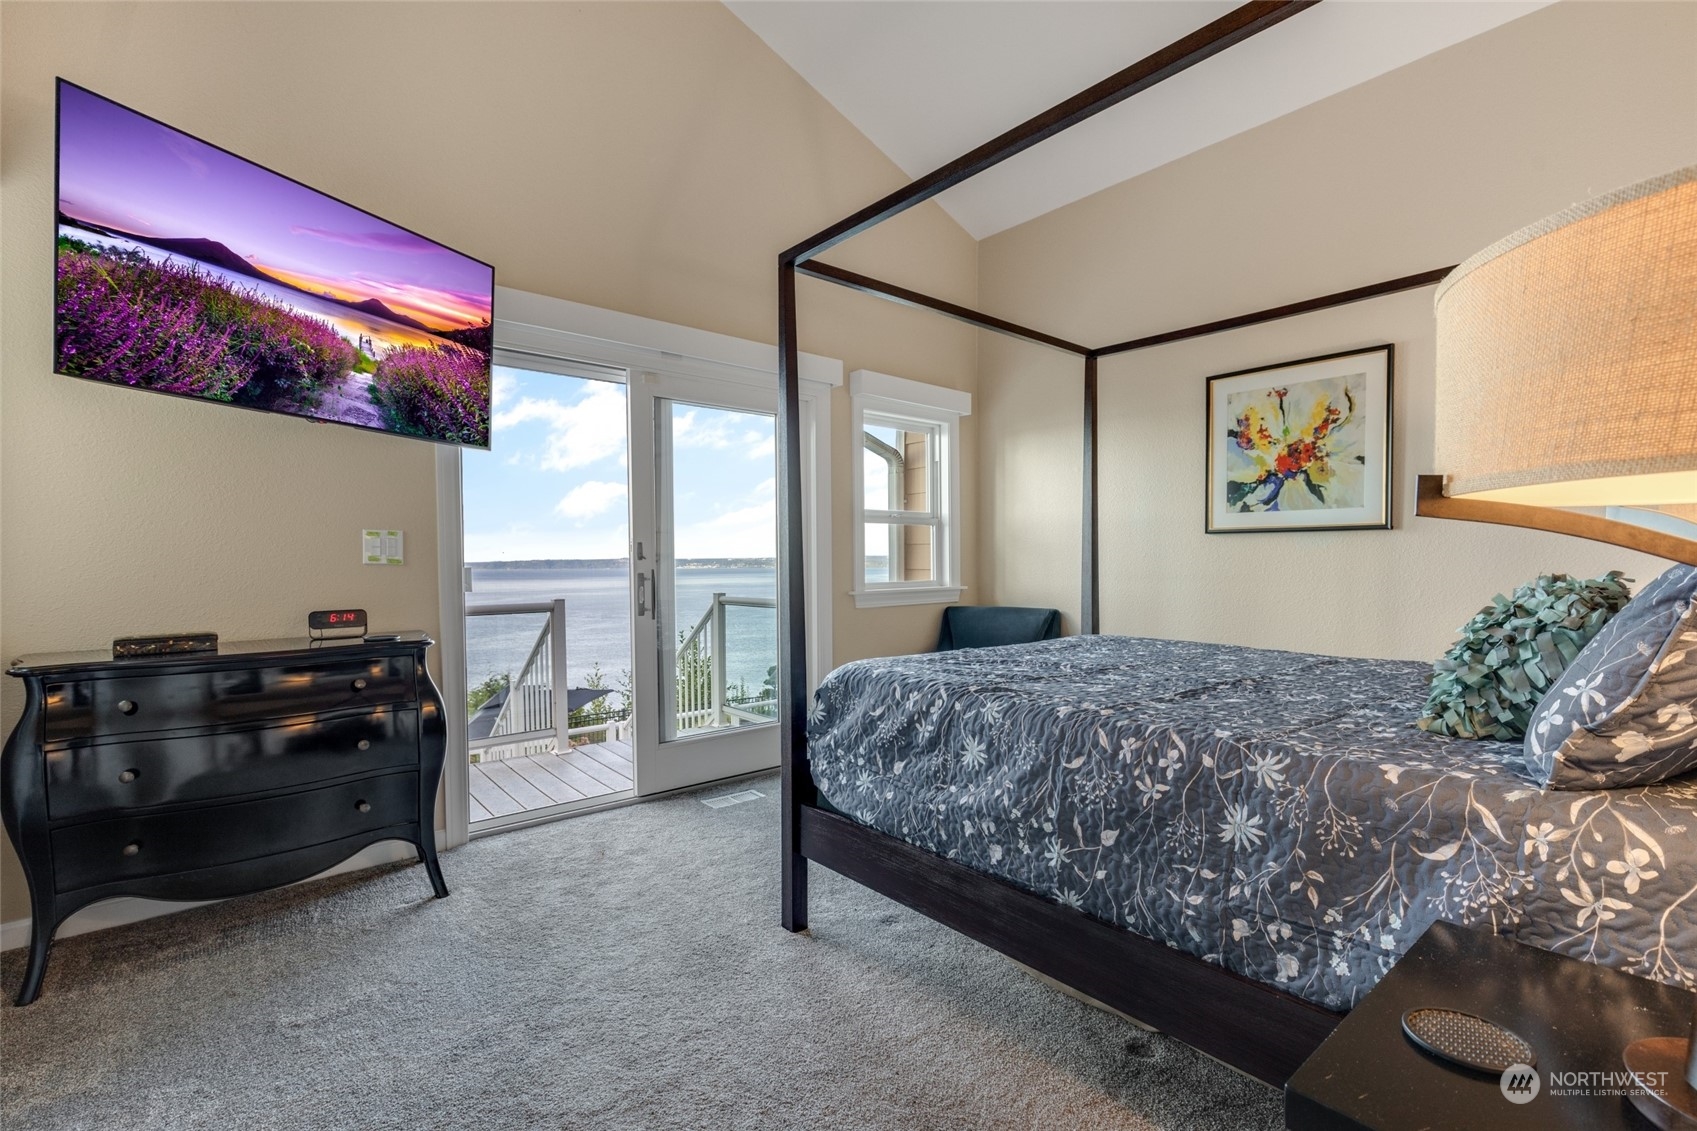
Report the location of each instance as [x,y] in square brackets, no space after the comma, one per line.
[797,782]
[1090,601]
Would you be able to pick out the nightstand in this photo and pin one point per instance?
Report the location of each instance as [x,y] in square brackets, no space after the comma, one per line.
[1577,1017]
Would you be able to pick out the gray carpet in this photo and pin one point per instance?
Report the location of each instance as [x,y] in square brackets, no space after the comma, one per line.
[619,970]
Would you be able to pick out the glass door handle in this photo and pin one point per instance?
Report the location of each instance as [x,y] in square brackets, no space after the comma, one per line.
[644,579]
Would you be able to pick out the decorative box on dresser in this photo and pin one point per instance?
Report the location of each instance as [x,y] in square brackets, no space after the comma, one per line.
[203,776]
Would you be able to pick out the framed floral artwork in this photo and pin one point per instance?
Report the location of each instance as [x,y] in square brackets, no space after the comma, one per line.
[1305,445]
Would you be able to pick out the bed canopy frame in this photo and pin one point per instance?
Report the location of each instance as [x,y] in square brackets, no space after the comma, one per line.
[1254,1027]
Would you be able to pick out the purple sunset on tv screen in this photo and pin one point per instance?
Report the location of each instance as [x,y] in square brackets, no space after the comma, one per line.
[185,269]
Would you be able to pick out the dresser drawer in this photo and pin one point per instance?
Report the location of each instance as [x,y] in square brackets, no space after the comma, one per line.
[143,702]
[134,847]
[85,778]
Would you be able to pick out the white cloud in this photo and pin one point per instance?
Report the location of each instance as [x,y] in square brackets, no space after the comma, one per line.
[748,530]
[578,434]
[722,430]
[587,500]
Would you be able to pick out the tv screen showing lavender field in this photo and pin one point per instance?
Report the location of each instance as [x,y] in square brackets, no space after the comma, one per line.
[185,269]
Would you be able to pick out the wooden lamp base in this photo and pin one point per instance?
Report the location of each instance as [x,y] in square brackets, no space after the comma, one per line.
[1431,502]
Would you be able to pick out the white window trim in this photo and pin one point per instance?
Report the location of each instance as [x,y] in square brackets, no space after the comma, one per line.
[539,332]
[879,394]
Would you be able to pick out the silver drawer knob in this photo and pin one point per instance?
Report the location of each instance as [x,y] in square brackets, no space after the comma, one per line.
[363,806]
[364,744]
[128,776]
[126,706]
[132,848]
[359,684]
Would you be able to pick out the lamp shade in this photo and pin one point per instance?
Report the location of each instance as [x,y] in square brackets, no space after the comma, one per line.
[1685,512]
[1567,356]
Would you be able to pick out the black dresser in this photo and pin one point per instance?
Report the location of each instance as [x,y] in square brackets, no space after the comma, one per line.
[193,777]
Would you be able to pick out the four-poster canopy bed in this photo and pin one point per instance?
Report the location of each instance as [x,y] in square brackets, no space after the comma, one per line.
[1255,1026]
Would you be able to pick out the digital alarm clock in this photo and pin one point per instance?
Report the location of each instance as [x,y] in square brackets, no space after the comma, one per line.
[336,620]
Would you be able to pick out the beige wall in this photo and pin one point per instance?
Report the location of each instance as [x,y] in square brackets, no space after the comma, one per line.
[1414,170]
[648,158]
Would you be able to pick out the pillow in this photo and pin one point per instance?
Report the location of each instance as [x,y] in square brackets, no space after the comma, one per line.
[1490,681]
[1625,712]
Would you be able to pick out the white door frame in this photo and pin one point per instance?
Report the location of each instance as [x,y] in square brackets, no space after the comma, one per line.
[533,329]
[692,760]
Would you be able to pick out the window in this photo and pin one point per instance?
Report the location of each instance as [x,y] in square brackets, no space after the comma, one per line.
[907,490]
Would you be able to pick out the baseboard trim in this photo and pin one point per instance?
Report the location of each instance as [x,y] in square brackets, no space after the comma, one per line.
[126,909]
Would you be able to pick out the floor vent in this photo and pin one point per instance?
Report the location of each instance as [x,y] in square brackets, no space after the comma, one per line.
[725,799]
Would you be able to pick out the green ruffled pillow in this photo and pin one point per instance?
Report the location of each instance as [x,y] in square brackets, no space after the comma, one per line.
[1490,681]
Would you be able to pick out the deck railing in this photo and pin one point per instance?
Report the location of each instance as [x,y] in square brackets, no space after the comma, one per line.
[536,700]
[703,701]
[526,723]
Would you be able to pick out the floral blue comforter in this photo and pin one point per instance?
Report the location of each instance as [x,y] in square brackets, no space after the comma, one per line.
[1276,813]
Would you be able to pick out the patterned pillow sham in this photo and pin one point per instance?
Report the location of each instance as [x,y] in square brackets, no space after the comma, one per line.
[1511,653]
[1625,712]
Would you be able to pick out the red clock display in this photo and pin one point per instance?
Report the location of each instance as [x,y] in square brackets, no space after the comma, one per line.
[335,618]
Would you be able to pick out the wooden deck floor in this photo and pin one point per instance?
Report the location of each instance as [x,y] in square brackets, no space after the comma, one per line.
[519,785]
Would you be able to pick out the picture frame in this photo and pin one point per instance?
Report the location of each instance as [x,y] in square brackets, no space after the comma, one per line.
[1302,445]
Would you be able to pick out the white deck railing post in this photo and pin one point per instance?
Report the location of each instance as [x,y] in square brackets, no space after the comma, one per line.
[537,709]
[562,698]
[717,638]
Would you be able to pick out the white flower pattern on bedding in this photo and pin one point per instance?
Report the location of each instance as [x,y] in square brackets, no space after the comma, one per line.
[1276,813]
[1628,695]
[1623,713]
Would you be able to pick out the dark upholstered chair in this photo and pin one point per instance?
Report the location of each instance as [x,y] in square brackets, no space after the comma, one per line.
[986,626]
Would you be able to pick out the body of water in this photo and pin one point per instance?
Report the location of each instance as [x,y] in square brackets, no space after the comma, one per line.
[598,620]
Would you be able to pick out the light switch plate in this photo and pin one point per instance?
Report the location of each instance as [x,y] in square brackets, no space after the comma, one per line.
[381,547]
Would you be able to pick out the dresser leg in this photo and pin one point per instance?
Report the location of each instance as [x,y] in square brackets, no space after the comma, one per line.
[427,853]
[40,940]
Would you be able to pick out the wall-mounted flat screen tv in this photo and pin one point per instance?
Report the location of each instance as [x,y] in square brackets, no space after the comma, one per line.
[185,269]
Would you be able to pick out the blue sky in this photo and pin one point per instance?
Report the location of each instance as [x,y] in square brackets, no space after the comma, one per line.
[553,484]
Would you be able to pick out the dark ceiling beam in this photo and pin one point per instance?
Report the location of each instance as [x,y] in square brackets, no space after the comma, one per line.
[1233,27]
[871,286]
[1273,314]
[868,285]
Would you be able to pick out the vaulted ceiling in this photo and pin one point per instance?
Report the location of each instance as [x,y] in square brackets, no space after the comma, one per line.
[926,80]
